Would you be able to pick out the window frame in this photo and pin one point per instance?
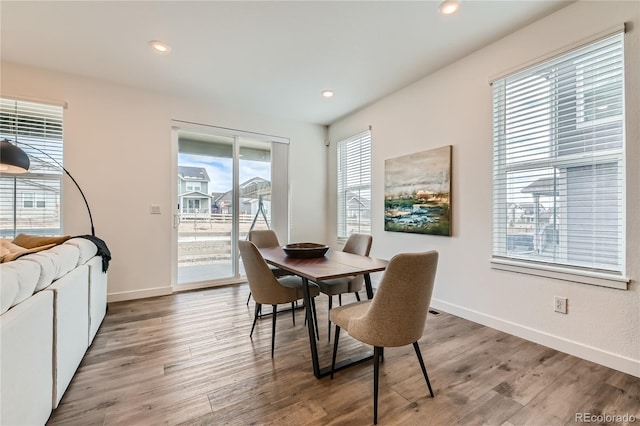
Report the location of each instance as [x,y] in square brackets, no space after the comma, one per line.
[356,149]
[36,128]
[570,272]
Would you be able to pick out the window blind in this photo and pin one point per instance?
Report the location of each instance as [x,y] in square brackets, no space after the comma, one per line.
[30,202]
[559,182]
[354,185]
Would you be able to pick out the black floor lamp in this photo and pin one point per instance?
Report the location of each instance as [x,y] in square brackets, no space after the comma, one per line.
[14,160]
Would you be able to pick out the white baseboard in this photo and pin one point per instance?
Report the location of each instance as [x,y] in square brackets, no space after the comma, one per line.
[590,353]
[138,294]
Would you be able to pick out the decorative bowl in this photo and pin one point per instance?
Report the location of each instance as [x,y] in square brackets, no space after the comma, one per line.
[305,250]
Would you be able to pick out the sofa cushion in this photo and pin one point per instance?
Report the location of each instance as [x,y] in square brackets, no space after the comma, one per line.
[64,257]
[20,278]
[48,269]
[8,288]
[86,247]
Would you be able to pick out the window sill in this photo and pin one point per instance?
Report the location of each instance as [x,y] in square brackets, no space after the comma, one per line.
[558,273]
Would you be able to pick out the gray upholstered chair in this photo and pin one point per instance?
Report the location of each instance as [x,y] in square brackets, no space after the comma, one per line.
[395,316]
[269,290]
[356,244]
[266,238]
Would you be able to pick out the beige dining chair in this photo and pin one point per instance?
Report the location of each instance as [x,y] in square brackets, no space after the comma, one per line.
[356,244]
[266,238]
[269,290]
[396,315]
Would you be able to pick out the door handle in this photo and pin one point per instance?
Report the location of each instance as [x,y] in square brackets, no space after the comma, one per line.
[176,220]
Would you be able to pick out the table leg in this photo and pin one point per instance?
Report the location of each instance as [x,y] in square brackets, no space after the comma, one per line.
[312,332]
[368,287]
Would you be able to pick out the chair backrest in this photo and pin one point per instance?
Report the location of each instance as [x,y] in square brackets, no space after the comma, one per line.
[398,311]
[358,244]
[264,238]
[265,288]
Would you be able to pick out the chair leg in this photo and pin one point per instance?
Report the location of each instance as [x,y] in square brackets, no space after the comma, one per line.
[255,318]
[335,350]
[293,313]
[273,329]
[424,369]
[357,296]
[329,318]
[376,371]
[315,317]
[340,299]
[248,298]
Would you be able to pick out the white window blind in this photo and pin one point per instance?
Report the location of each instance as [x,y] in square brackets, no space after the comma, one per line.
[354,185]
[30,202]
[559,181]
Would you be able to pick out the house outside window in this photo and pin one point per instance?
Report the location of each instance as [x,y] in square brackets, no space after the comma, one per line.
[559,161]
[193,184]
[30,202]
[354,185]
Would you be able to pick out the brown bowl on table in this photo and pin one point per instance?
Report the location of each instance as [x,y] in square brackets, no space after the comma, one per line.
[305,250]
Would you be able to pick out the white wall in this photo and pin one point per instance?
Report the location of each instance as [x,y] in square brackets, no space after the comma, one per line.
[118,147]
[453,107]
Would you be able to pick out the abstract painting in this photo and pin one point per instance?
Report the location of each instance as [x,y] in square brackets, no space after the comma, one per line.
[417,192]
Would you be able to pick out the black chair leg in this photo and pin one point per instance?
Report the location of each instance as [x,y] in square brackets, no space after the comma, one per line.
[293,313]
[255,318]
[357,296]
[273,329]
[329,317]
[340,299]
[424,369]
[376,371]
[248,298]
[315,317]
[335,350]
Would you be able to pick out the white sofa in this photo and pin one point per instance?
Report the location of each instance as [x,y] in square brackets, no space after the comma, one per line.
[51,305]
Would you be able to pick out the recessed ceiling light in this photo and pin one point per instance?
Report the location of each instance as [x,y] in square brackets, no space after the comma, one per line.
[327,93]
[160,46]
[449,7]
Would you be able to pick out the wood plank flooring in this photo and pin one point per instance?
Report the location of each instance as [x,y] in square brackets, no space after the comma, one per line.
[187,359]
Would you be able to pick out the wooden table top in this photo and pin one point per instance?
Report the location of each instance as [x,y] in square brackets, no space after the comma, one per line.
[334,264]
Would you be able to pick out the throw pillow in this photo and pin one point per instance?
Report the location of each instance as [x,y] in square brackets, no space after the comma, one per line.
[32,241]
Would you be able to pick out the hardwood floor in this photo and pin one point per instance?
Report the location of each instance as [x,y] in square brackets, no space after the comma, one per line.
[187,359]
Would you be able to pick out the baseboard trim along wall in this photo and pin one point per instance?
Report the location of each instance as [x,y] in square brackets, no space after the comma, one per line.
[599,356]
[138,294]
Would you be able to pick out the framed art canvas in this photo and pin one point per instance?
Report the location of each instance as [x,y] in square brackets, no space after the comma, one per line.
[417,192]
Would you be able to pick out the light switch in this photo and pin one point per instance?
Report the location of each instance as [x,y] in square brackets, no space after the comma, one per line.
[154,209]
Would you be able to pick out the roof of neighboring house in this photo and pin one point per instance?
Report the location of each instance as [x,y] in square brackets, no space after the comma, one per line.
[193,173]
[194,194]
[542,186]
[354,197]
[252,188]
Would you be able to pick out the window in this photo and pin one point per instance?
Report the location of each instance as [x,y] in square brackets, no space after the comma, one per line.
[354,185]
[30,202]
[193,186]
[559,159]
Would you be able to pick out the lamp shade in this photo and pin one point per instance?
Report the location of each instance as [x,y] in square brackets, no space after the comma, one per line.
[12,158]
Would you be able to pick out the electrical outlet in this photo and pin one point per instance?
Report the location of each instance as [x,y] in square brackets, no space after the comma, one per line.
[560,304]
[154,209]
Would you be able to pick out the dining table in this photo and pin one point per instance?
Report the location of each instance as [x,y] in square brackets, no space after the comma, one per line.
[334,264]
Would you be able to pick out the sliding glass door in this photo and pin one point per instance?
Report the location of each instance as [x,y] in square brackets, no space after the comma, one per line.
[225,187]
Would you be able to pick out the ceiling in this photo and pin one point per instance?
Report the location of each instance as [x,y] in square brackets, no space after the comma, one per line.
[267,57]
